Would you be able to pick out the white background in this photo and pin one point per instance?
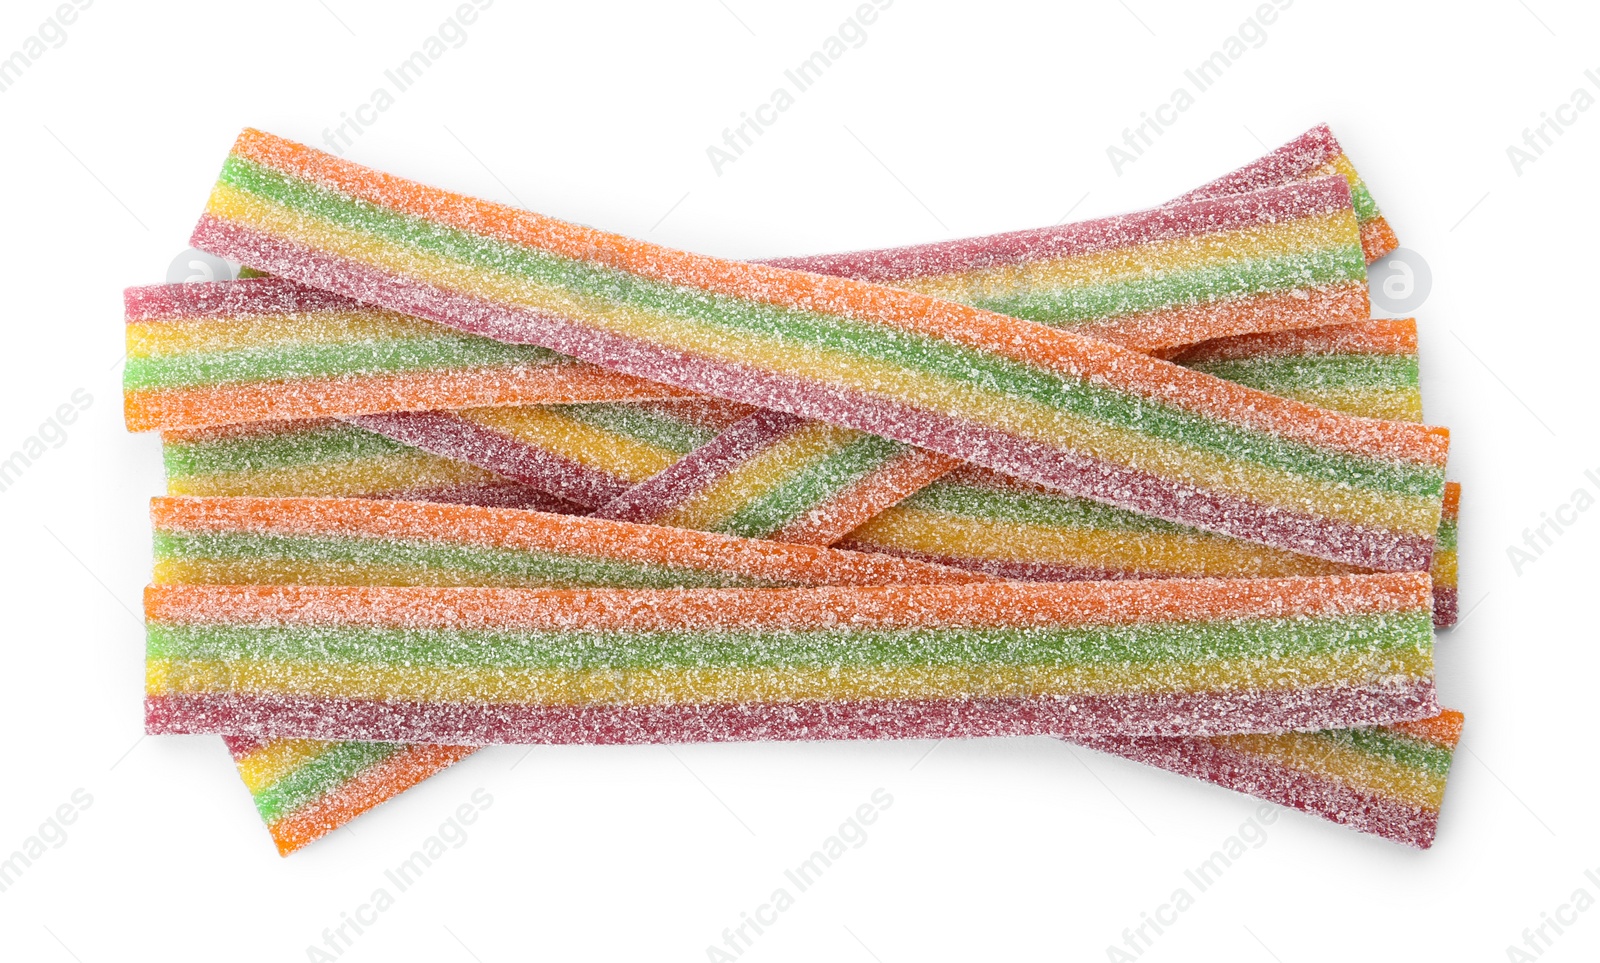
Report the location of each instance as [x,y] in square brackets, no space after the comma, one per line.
[950,120]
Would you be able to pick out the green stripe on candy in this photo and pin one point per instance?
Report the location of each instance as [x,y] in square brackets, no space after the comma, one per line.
[1410,753]
[1395,634]
[944,359]
[640,424]
[287,449]
[1318,371]
[1361,199]
[946,497]
[813,485]
[325,772]
[531,568]
[1089,303]
[1445,539]
[328,361]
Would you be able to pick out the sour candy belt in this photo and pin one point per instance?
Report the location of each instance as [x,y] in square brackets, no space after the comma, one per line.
[1316,153]
[1384,780]
[584,454]
[254,352]
[1367,368]
[259,349]
[305,788]
[482,665]
[327,457]
[335,541]
[1446,597]
[265,349]
[780,476]
[1030,400]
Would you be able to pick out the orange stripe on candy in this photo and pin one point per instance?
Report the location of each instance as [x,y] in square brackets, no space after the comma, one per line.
[954,606]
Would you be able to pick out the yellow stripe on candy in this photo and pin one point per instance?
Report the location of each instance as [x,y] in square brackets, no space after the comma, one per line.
[395,472]
[1328,760]
[616,455]
[1313,233]
[159,338]
[756,476]
[271,762]
[1163,553]
[497,685]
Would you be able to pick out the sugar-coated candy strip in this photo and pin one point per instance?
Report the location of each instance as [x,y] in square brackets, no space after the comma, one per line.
[482,665]
[334,541]
[1388,781]
[328,457]
[306,788]
[1316,153]
[1367,368]
[1030,400]
[1384,780]
[780,476]
[263,349]
[584,454]
[987,522]
[1446,598]
[1282,257]
[228,352]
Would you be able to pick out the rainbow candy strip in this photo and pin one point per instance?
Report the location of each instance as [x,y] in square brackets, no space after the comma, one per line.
[782,477]
[986,522]
[219,353]
[339,541]
[582,454]
[1316,153]
[1368,368]
[1384,780]
[483,665]
[1446,597]
[305,788]
[779,476]
[269,349]
[328,457]
[1040,403]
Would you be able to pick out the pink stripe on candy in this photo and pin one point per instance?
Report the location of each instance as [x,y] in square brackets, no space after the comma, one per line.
[1077,716]
[700,469]
[449,435]
[1332,800]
